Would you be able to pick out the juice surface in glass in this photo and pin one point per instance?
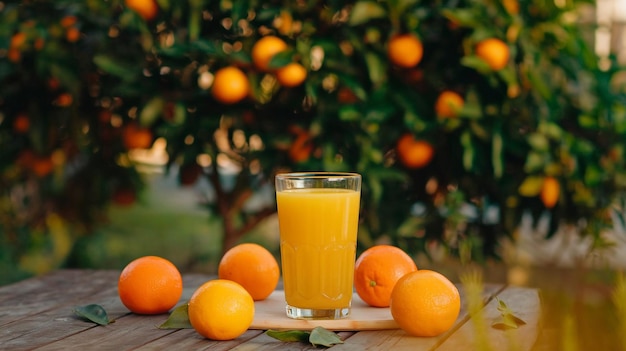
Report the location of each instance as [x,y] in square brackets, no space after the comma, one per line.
[318,229]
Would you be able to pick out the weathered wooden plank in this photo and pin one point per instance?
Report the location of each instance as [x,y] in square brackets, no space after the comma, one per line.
[399,340]
[50,282]
[383,340]
[142,336]
[41,328]
[40,318]
[36,295]
[128,332]
[525,304]
[188,339]
[60,288]
[46,319]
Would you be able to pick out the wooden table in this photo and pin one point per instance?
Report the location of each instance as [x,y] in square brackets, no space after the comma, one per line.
[37,314]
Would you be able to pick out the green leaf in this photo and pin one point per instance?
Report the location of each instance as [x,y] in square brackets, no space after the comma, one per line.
[178,319]
[413,122]
[375,68]
[379,113]
[111,66]
[508,76]
[538,142]
[551,130]
[281,59]
[476,63]
[584,147]
[195,19]
[353,84]
[534,162]
[151,111]
[468,150]
[403,5]
[180,114]
[289,335]
[94,313]
[239,10]
[175,51]
[376,188]
[164,5]
[365,11]
[539,84]
[316,337]
[205,46]
[323,337]
[349,113]
[587,122]
[502,307]
[593,175]
[463,17]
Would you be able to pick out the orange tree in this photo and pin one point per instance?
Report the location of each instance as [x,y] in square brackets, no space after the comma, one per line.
[454,112]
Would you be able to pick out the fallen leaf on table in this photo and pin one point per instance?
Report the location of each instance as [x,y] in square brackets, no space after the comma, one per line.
[93,313]
[509,319]
[316,337]
[289,335]
[323,337]
[178,319]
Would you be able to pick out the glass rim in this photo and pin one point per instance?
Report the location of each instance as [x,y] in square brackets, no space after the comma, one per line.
[318,175]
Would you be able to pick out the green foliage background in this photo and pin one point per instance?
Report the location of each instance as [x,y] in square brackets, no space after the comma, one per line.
[553,111]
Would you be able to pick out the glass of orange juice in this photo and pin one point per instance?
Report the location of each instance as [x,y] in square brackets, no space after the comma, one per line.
[318,215]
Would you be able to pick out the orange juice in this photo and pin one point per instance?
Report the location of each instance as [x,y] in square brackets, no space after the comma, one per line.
[318,229]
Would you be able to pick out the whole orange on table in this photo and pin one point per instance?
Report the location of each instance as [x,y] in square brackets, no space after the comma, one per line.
[377,270]
[150,285]
[221,310]
[425,303]
[253,267]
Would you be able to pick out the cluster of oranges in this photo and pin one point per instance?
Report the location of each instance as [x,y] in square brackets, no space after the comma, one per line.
[220,309]
[29,37]
[406,51]
[422,302]
[231,85]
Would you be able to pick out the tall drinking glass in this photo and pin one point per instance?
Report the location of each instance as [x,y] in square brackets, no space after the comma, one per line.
[318,215]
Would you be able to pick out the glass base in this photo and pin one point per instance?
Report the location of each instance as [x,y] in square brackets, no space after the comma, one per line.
[307,313]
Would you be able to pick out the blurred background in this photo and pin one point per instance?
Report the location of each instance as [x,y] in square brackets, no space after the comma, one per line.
[489,133]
